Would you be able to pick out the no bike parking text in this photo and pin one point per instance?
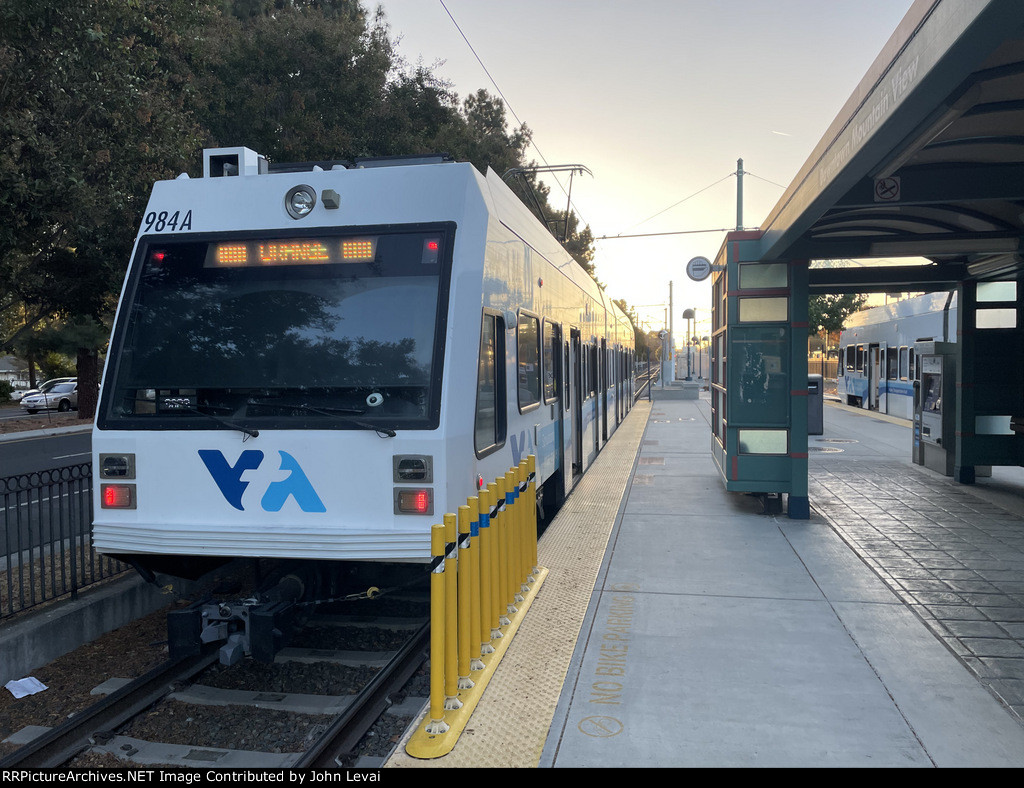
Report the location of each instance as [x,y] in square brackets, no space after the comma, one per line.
[613,652]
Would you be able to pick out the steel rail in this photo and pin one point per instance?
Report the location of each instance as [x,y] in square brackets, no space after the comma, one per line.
[344,734]
[64,742]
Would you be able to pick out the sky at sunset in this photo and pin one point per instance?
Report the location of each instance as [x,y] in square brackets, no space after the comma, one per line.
[658,99]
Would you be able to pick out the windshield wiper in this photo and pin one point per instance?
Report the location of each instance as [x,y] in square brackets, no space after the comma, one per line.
[223,422]
[328,411]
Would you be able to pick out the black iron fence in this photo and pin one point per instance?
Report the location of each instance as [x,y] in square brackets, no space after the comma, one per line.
[45,538]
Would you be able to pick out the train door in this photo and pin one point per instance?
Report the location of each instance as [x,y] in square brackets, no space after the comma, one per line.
[555,392]
[882,384]
[602,381]
[568,436]
[616,371]
[576,400]
[593,386]
[874,375]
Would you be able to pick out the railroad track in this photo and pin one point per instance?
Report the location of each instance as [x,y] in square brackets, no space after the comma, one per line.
[334,724]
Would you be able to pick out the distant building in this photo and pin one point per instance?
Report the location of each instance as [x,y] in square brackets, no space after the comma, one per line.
[14,370]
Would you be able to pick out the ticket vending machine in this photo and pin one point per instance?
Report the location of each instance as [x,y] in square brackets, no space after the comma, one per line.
[934,431]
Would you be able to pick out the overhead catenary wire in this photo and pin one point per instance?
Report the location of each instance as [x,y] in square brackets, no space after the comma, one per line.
[510,109]
[680,202]
[673,205]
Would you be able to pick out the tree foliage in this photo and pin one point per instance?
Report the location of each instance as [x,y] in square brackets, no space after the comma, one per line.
[100,99]
[826,313]
[93,109]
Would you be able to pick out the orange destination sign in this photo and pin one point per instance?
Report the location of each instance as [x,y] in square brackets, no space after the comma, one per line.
[291,251]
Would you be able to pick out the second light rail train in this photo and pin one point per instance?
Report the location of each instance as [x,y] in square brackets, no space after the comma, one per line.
[877,364]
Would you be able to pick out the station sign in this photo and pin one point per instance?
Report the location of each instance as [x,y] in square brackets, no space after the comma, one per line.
[698,269]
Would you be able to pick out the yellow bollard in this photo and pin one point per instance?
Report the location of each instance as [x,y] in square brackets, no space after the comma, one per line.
[451,620]
[438,733]
[497,497]
[525,519]
[534,562]
[465,593]
[511,582]
[504,518]
[472,625]
[437,631]
[484,585]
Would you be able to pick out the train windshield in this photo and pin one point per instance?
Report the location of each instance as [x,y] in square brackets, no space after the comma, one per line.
[326,332]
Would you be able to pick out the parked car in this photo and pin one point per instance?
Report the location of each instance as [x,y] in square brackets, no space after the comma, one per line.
[47,385]
[62,396]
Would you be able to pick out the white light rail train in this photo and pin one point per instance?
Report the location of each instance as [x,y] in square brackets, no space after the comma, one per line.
[877,364]
[317,361]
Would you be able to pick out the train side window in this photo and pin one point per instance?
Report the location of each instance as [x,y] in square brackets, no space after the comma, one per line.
[911,366]
[842,357]
[892,370]
[528,354]
[489,429]
[904,364]
[859,359]
[552,375]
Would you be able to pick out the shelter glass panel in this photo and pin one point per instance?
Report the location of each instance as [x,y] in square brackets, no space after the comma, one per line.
[764,441]
[759,374]
[755,276]
[996,318]
[764,310]
[989,292]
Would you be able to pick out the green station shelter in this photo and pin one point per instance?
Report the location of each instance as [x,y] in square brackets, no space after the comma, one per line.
[925,161]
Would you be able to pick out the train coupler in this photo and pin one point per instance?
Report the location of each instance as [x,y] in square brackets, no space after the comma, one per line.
[244,628]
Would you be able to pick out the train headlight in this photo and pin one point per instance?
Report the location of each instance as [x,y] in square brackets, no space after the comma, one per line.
[299,201]
[117,466]
[413,468]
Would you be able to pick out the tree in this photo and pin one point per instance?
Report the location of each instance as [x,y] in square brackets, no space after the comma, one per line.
[98,100]
[827,313]
[93,103]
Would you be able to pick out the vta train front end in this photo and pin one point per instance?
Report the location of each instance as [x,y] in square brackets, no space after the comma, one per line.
[317,362]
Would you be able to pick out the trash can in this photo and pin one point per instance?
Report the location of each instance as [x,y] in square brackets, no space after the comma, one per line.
[815,405]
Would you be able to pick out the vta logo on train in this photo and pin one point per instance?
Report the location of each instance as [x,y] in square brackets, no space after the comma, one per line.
[229,480]
[519,448]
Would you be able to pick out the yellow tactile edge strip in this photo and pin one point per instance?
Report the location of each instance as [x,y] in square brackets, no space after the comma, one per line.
[511,721]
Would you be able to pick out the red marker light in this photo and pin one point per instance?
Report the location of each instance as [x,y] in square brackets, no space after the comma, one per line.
[415,501]
[431,251]
[158,257]
[118,496]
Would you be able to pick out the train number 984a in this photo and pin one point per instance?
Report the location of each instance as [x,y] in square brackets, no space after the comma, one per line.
[165,221]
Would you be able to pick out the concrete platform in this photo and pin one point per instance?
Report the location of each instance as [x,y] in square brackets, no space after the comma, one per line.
[717,636]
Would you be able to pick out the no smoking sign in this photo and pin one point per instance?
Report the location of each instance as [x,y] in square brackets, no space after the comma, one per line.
[887,189]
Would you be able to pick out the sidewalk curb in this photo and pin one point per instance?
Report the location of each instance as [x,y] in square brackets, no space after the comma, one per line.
[47,432]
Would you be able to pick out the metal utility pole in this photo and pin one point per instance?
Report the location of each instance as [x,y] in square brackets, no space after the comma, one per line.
[739,194]
[671,337]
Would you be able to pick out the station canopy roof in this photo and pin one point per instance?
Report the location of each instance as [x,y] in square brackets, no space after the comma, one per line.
[925,160]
